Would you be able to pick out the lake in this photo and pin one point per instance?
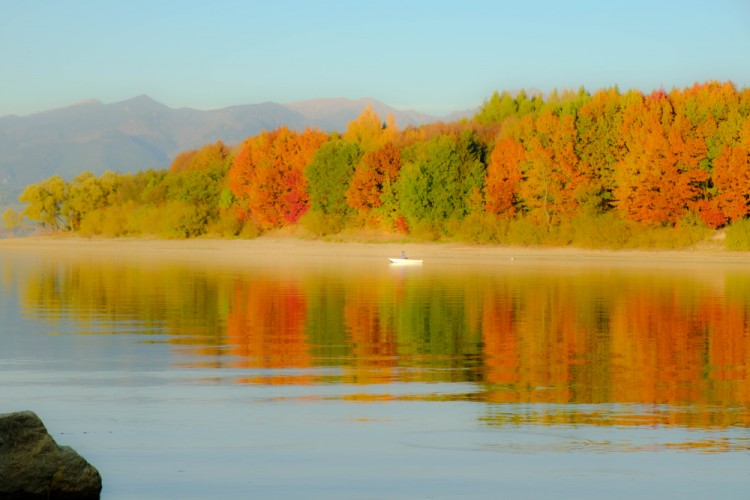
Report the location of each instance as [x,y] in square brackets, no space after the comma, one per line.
[339,379]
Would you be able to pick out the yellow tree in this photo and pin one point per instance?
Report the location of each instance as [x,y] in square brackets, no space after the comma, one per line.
[44,202]
[551,177]
[369,131]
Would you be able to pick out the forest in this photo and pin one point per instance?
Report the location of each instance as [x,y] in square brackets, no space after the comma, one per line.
[608,169]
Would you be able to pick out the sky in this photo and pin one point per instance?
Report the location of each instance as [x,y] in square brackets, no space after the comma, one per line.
[432,56]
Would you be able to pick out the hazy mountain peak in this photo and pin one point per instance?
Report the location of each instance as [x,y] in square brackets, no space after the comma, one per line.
[140,133]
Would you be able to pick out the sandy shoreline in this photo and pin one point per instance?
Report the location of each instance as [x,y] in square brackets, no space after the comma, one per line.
[271,250]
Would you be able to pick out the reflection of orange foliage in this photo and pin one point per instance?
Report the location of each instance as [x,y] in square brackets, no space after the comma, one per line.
[501,347]
[374,344]
[656,351]
[535,352]
[728,355]
[265,327]
[653,346]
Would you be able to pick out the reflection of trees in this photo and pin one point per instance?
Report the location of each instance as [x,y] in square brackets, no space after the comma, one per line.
[265,329]
[128,298]
[554,337]
[373,339]
[632,340]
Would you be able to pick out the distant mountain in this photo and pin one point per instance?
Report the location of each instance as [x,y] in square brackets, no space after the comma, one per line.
[336,113]
[141,133]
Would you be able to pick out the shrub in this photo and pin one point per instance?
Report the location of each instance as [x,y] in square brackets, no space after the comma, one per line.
[423,230]
[738,235]
[606,230]
[321,224]
[525,232]
[225,225]
[249,231]
[477,228]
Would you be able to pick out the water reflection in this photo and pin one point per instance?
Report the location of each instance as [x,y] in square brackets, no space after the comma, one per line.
[553,347]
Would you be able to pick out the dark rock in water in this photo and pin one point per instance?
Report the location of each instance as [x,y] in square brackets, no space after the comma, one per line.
[33,466]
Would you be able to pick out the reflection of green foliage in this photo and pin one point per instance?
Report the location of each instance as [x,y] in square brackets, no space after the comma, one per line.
[325,325]
[144,297]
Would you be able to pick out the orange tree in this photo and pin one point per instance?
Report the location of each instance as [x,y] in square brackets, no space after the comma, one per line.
[267,176]
[659,177]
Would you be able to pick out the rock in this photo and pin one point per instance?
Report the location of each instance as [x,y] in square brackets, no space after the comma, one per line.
[33,466]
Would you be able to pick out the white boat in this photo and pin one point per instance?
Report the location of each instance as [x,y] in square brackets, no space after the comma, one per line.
[405,262]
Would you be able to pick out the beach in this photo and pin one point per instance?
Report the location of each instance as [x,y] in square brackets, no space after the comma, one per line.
[293,251]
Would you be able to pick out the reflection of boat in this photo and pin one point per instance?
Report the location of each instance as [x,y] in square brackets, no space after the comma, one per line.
[405,262]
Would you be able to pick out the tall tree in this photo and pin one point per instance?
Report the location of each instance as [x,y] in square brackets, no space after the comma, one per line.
[329,174]
[659,177]
[44,202]
[498,108]
[504,177]
[731,176]
[88,193]
[208,156]
[369,131]
[599,147]
[375,174]
[439,177]
[551,176]
[267,175]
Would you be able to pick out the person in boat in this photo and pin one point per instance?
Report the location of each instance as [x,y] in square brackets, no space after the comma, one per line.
[403,255]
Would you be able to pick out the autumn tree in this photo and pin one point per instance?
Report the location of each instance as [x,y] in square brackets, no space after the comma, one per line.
[551,175]
[267,175]
[659,176]
[497,108]
[88,193]
[731,176]
[44,202]
[374,178]
[504,177]
[209,156]
[566,101]
[599,148]
[369,131]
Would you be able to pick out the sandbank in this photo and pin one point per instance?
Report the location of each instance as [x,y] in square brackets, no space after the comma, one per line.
[293,251]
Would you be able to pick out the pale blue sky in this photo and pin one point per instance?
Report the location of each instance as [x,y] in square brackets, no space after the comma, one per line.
[432,56]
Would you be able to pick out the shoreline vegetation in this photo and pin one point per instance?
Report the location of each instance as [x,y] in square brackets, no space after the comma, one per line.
[609,170]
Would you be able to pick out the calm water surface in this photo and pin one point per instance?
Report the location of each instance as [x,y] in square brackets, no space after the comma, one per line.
[190,380]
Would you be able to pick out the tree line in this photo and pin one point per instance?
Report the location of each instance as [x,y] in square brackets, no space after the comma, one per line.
[608,169]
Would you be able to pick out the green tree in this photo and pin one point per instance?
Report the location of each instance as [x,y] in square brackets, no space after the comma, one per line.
[329,174]
[599,148]
[498,108]
[440,177]
[88,193]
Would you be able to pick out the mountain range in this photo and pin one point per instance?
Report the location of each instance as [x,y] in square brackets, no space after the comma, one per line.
[141,133]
